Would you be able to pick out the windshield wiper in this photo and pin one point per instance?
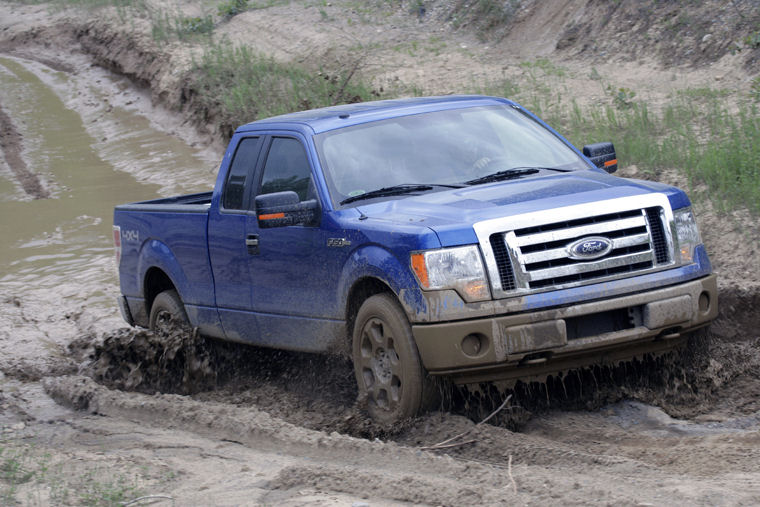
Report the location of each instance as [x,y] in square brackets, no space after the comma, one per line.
[512,173]
[404,188]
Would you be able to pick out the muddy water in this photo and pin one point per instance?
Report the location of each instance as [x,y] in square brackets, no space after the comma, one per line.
[88,165]
[86,137]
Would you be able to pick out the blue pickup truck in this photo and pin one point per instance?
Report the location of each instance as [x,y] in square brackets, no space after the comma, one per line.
[457,236]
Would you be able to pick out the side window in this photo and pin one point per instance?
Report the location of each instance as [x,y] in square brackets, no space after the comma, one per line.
[287,168]
[241,168]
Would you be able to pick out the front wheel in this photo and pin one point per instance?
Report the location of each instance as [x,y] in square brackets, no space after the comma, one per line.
[167,312]
[386,362]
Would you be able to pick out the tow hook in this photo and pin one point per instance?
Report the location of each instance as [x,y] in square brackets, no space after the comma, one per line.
[669,334]
[533,359]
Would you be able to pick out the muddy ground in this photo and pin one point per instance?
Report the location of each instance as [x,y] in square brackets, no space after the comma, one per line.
[93,412]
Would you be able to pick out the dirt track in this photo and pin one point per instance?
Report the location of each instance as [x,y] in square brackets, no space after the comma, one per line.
[211,423]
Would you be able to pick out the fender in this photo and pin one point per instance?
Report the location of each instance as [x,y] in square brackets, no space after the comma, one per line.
[154,253]
[374,261]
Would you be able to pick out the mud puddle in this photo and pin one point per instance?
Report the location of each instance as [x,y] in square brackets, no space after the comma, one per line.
[81,135]
[84,175]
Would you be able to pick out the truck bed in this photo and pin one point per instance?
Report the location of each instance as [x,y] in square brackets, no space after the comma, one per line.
[190,203]
[171,235]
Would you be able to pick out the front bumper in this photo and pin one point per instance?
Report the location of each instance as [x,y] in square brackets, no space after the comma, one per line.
[534,343]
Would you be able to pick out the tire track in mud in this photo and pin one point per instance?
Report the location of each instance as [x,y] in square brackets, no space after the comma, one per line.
[11,143]
[429,475]
[338,462]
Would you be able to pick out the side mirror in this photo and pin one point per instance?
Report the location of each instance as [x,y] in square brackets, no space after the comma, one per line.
[602,155]
[281,209]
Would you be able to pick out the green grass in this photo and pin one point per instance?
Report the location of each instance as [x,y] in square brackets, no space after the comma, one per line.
[166,27]
[231,8]
[43,482]
[704,140]
[710,135]
[239,85]
[14,470]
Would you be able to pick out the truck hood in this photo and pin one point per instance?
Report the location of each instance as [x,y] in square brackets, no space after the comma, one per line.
[452,213]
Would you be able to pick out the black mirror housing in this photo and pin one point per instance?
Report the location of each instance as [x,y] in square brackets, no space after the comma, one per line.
[282,209]
[602,155]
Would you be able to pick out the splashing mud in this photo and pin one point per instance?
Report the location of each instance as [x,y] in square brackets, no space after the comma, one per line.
[314,391]
[318,392]
[175,361]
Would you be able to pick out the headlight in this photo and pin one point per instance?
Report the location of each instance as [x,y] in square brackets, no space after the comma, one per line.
[459,268]
[687,234]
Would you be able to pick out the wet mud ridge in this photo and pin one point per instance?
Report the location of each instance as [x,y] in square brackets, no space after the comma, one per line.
[11,144]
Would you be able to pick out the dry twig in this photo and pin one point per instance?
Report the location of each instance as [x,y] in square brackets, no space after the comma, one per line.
[447,443]
[509,473]
[148,497]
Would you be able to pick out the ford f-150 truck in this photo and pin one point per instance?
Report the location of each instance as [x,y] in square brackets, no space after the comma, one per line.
[457,236]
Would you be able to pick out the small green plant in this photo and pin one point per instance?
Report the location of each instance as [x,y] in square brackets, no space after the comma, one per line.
[504,87]
[109,492]
[195,25]
[754,89]
[621,97]
[545,66]
[752,40]
[231,8]
[168,27]
[14,470]
[416,7]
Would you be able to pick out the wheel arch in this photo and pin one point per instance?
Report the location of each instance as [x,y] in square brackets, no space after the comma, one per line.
[155,282]
[360,291]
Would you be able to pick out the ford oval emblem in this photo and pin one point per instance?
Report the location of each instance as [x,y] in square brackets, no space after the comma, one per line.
[588,248]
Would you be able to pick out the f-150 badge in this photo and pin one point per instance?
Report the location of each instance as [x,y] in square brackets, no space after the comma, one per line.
[338,242]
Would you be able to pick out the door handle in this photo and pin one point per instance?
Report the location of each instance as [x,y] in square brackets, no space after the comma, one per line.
[252,243]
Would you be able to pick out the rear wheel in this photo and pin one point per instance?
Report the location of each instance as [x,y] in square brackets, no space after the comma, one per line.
[386,362]
[167,312]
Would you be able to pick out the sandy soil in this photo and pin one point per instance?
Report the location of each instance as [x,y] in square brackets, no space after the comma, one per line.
[210,423]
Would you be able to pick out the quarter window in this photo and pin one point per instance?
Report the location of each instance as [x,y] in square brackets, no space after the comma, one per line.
[241,169]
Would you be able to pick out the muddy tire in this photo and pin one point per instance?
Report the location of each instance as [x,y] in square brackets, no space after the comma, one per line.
[167,312]
[387,364]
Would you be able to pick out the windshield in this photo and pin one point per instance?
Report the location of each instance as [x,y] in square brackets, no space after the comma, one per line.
[454,148]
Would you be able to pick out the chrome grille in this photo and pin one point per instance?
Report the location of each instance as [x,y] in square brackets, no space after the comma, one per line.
[506,273]
[533,256]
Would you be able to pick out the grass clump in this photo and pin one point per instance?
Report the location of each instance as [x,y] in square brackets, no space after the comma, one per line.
[192,25]
[15,470]
[231,8]
[166,26]
[239,85]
